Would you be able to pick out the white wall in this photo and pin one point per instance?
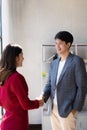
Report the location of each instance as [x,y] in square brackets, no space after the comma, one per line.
[5,21]
[32,23]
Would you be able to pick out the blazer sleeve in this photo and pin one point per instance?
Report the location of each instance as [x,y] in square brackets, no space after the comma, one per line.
[20,89]
[47,89]
[81,83]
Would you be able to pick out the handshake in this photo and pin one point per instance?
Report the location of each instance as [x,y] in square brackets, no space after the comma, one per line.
[41,100]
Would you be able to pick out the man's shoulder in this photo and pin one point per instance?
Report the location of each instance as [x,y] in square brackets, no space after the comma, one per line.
[55,61]
[76,57]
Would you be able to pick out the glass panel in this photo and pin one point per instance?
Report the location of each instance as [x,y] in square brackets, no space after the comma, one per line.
[1,109]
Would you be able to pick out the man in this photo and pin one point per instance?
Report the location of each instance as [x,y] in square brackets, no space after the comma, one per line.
[66,84]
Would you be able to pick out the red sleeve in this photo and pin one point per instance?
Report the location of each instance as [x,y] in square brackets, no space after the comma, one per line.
[20,88]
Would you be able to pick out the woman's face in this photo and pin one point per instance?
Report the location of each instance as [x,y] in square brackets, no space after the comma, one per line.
[19,60]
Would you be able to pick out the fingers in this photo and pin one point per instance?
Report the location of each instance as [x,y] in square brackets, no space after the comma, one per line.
[74,111]
[41,102]
[42,96]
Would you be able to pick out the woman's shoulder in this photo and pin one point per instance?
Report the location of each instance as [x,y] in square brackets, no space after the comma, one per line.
[16,75]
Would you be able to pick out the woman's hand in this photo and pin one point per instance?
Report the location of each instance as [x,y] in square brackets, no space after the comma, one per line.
[41,101]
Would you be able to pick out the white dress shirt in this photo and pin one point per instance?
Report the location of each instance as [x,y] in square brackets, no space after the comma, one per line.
[60,68]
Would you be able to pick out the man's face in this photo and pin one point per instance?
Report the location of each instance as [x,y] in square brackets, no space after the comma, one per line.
[61,46]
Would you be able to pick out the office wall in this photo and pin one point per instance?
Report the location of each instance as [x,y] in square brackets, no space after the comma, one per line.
[5,22]
[32,23]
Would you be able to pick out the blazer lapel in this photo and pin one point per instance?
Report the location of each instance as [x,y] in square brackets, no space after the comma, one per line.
[56,70]
[67,64]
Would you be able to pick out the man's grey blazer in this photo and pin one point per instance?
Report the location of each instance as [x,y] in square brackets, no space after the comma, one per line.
[71,87]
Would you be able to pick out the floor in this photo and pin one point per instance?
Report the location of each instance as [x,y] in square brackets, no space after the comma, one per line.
[35,127]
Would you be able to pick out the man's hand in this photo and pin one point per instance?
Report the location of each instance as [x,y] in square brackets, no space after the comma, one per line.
[73,111]
[41,101]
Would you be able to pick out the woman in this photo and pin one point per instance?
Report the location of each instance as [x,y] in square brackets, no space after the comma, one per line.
[14,91]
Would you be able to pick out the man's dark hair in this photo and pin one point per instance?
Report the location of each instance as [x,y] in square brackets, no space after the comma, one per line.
[64,36]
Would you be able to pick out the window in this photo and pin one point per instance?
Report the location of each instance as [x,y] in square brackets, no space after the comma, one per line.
[0,28]
[1,109]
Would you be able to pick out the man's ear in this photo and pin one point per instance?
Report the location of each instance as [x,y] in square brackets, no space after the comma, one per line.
[69,45]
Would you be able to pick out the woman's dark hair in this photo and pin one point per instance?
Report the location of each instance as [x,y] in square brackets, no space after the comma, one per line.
[8,58]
